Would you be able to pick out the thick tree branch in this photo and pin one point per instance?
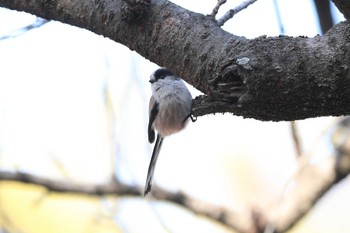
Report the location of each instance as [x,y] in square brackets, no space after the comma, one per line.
[267,78]
[344,7]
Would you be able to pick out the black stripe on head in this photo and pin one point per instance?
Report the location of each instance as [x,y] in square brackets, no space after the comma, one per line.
[162,73]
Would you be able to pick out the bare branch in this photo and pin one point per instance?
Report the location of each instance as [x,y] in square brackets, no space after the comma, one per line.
[296,140]
[312,181]
[237,75]
[238,222]
[62,187]
[219,214]
[229,14]
[216,8]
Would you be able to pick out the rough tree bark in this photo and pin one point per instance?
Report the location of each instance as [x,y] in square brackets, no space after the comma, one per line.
[267,78]
[276,78]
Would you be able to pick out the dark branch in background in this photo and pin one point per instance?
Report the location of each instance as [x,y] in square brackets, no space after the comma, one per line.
[344,7]
[237,222]
[229,14]
[325,19]
[38,23]
[311,182]
[115,188]
[66,187]
[267,78]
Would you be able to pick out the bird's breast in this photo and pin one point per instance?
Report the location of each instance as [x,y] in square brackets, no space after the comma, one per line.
[171,116]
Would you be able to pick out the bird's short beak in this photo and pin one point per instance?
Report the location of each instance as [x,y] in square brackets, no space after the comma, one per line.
[152,80]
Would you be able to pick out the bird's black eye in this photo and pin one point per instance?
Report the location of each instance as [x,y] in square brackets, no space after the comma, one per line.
[162,73]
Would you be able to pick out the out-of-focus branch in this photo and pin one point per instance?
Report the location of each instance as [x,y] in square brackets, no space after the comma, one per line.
[325,19]
[237,222]
[312,181]
[279,18]
[296,138]
[38,23]
[222,215]
[66,187]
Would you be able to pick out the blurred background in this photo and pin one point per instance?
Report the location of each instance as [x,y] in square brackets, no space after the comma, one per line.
[74,108]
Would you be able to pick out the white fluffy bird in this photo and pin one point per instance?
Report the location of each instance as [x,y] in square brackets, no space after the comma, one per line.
[169,112]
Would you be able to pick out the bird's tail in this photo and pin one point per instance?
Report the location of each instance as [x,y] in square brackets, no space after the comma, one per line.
[152,164]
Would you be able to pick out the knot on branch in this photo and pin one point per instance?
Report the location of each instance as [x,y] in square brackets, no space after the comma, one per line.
[134,10]
[229,82]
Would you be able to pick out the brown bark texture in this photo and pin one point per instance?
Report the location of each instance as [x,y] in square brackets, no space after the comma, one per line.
[266,78]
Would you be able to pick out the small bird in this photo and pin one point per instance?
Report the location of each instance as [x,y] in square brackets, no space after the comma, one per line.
[169,112]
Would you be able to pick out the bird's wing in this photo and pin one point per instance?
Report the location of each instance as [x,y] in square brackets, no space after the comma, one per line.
[153,111]
[152,164]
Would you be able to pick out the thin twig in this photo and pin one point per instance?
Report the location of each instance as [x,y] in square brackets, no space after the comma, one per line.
[229,14]
[216,8]
[38,23]
[279,18]
[296,139]
[70,187]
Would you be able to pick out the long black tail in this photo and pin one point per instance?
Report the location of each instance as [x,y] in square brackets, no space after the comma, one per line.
[152,164]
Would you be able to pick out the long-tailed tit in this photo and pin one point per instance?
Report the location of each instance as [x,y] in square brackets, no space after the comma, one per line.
[169,112]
